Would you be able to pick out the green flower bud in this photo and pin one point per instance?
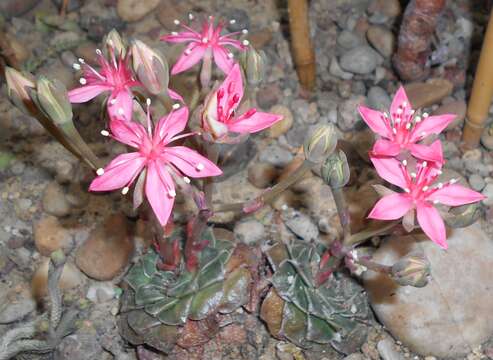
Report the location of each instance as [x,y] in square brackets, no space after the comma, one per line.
[114,41]
[253,63]
[52,97]
[320,144]
[335,170]
[151,67]
[411,270]
[18,86]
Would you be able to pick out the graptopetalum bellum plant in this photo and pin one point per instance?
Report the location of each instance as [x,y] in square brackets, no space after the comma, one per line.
[185,287]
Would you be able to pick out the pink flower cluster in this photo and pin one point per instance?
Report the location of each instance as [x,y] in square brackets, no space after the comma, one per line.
[155,164]
[401,160]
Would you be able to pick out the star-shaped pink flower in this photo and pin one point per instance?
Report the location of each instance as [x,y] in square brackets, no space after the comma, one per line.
[114,76]
[420,194]
[219,116]
[209,42]
[403,128]
[155,161]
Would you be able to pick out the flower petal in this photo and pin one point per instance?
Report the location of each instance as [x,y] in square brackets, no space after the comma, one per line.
[391,207]
[160,191]
[431,125]
[120,105]
[175,96]
[232,85]
[86,93]
[385,148]
[172,124]
[191,56]
[190,162]
[390,170]
[226,40]
[254,123]
[375,120]
[401,101]
[120,172]
[223,61]
[455,195]
[128,132]
[432,224]
[432,153]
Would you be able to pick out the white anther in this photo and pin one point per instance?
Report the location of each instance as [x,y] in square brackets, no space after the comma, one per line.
[423,133]
[404,162]
[425,188]
[177,22]
[425,115]
[412,112]
[125,190]
[439,172]
[440,185]
[205,40]
[81,60]
[176,106]
[404,103]
[385,115]
[232,21]
[245,42]
[172,193]
[174,33]
[148,102]
[105,133]
[407,190]
[98,51]
[417,119]
[83,81]
[435,201]
[200,167]
[188,52]
[190,16]
[453,181]
[394,130]
[231,55]
[187,180]
[413,174]
[244,31]
[408,126]
[424,164]
[120,111]
[399,111]
[100,171]
[113,101]
[76,66]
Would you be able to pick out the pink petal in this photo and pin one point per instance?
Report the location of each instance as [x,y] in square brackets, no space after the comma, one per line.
[172,124]
[375,120]
[455,195]
[390,170]
[120,105]
[386,148]
[160,191]
[183,36]
[257,122]
[190,162]
[233,84]
[186,61]
[120,172]
[431,125]
[222,60]
[86,93]
[128,132]
[432,224]
[175,96]
[391,207]
[400,100]
[432,153]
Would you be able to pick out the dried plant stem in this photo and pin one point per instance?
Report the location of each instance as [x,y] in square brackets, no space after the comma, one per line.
[271,194]
[482,92]
[302,47]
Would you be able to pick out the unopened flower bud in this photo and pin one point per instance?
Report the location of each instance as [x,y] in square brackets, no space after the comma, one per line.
[114,41]
[253,63]
[18,87]
[151,67]
[320,144]
[52,97]
[462,216]
[335,170]
[411,270]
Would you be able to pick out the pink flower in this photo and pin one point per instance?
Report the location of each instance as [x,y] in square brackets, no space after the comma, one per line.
[420,194]
[403,128]
[219,116]
[155,161]
[114,76]
[209,42]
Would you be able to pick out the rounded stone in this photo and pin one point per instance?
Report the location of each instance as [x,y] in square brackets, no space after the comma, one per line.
[382,39]
[54,200]
[262,175]
[452,314]
[133,10]
[360,60]
[71,278]
[249,232]
[50,235]
[281,127]
[458,107]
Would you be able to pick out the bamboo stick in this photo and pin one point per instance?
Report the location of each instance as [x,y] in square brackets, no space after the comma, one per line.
[301,43]
[482,92]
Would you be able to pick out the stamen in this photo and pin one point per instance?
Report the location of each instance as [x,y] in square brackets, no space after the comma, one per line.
[440,185]
[232,21]
[425,188]
[453,181]
[425,115]
[81,60]
[413,174]
[408,126]
[246,42]
[404,103]
[187,180]
[424,164]
[105,133]
[172,193]
[435,201]
[188,52]
[407,190]
[98,51]
[412,111]
[439,172]
[394,130]
[100,171]
[200,167]
[83,81]
[190,16]
[176,106]
[121,111]
[423,133]
[385,115]
[205,40]
[177,22]
[174,33]
[244,31]
[417,119]
[399,111]
[231,55]
[76,66]
[113,101]
[148,102]
[125,190]
[404,162]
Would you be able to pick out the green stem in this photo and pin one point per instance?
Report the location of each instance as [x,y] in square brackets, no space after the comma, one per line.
[357,238]
[342,211]
[372,265]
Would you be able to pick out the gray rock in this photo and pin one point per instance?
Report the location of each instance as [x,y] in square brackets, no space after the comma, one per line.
[54,200]
[450,149]
[378,98]
[335,69]
[451,315]
[355,356]
[240,17]
[276,155]
[101,292]
[348,40]
[79,347]
[303,226]
[487,138]
[387,350]
[382,39]
[477,182]
[14,306]
[488,192]
[348,113]
[360,60]
[249,232]
[9,8]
